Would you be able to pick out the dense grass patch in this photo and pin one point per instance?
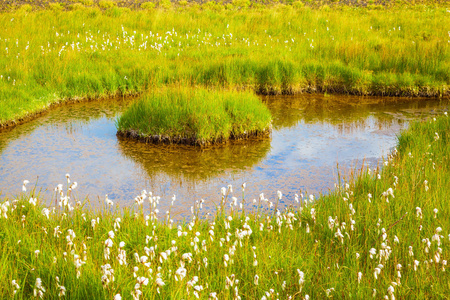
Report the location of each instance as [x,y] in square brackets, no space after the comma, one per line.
[384,233]
[180,115]
[47,56]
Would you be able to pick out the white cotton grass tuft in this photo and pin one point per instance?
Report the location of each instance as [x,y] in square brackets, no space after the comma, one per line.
[15,285]
[108,201]
[39,289]
[24,186]
[164,264]
[435,211]
[256,280]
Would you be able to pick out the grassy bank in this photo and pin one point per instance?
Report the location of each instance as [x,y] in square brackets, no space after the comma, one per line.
[383,233]
[54,55]
[195,117]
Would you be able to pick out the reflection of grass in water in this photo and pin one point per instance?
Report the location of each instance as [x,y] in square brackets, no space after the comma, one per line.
[69,116]
[193,164]
[346,113]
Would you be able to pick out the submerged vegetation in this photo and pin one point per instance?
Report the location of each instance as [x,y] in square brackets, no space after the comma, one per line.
[384,233]
[96,49]
[195,117]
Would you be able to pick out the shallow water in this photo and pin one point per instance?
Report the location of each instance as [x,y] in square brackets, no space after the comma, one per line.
[312,136]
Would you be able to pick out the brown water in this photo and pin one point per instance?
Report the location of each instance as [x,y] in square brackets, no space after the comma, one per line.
[311,136]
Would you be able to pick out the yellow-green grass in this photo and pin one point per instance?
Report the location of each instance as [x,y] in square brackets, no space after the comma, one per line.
[195,117]
[386,232]
[50,56]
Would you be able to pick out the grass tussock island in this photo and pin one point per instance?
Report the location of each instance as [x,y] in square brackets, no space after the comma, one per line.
[54,52]
[195,117]
[385,234]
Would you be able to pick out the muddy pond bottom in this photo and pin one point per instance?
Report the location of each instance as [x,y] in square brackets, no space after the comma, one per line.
[313,137]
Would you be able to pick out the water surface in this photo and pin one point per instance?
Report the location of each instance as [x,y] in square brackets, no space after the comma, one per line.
[312,135]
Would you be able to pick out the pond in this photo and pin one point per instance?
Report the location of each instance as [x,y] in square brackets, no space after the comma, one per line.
[313,137]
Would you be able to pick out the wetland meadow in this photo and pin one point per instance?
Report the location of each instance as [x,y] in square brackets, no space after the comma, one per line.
[224,150]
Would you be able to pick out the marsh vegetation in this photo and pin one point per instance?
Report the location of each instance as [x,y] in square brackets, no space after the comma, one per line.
[386,232]
[49,56]
[195,117]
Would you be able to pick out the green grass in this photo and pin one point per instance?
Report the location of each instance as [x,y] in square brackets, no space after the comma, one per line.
[195,116]
[48,56]
[329,240]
